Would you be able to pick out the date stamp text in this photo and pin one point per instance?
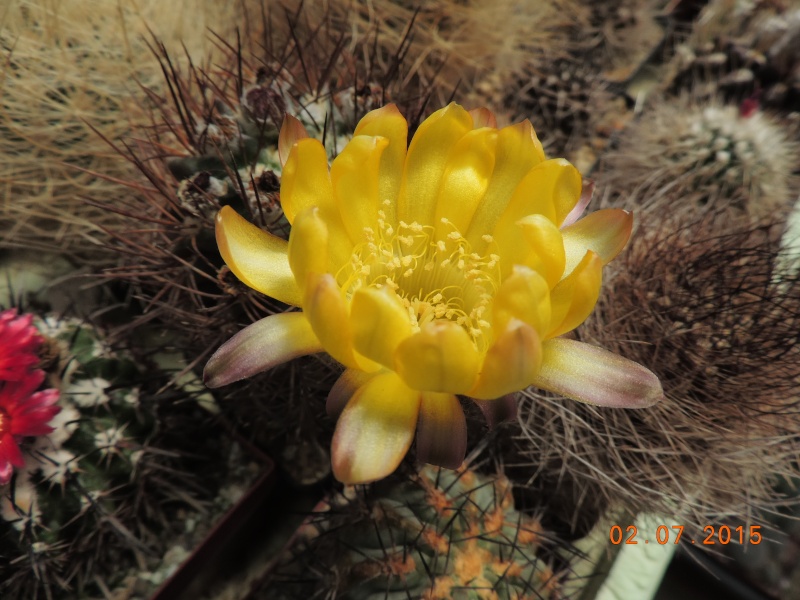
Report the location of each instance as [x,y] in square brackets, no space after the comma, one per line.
[721,534]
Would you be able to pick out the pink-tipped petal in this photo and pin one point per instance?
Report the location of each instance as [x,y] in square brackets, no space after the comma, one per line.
[375,430]
[345,387]
[498,410]
[292,130]
[441,431]
[261,346]
[586,196]
[591,374]
[483,117]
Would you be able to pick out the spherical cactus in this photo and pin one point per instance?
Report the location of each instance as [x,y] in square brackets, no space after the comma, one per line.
[694,157]
[435,535]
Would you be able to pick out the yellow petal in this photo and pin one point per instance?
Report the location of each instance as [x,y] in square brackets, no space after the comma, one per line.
[259,259]
[306,182]
[354,175]
[573,299]
[524,295]
[264,344]
[308,246]
[441,431]
[328,312]
[345,388]
[605,232]
[379,323]
[545,247]
[590,374]
[375,430]
[292,131]
[517,152]
[465,180]
[387,122]
[441,357]
[511,363]
[546,187]
[426,161]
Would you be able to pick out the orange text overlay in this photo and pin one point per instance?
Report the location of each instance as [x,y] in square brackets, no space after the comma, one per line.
[663,534]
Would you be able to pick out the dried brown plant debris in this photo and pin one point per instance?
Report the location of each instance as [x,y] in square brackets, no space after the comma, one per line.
[67,68]
[571,91]
[740,48]
[707,313]
[468,47]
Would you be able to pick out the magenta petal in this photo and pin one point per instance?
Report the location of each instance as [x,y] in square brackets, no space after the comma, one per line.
[344,388]
[499,410]
[590,374]
[583,202]
[441,431]
[261,346]
[10,452]
[6,471]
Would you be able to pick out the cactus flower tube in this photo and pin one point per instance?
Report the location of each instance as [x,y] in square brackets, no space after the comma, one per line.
[448,267]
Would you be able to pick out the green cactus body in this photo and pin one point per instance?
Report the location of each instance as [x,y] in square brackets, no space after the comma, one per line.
[246,139]
[437,535]
[67,487]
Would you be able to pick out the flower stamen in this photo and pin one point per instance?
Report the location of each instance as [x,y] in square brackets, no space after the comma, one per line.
[435,276]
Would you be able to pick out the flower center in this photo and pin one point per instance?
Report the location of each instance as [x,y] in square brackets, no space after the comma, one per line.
[435,274]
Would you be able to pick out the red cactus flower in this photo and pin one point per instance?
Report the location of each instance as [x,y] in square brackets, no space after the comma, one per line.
[23,412]
[19,342]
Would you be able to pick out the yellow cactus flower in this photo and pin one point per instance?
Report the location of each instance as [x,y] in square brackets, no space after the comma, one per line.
[450,266]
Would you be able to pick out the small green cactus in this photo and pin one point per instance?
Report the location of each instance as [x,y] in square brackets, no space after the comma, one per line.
[66,494]
[438,534]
